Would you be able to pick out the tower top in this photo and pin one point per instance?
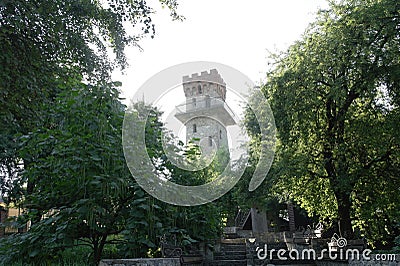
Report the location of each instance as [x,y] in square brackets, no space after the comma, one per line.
[205,97]
[212,77]
[206,84]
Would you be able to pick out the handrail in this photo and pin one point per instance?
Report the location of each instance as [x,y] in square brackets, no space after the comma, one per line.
[241,218]
[182,108]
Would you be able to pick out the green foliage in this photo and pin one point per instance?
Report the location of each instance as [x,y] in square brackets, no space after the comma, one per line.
[76,256]
[396,248]
[334,94]
[50,46]
[84,193]
[82,185]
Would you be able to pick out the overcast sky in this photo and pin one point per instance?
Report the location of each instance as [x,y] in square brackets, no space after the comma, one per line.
[235,33]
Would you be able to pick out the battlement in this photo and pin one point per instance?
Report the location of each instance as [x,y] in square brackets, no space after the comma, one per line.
[213,76]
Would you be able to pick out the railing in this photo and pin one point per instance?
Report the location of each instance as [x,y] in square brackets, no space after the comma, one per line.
[169,250]
[206,103]
[241,218]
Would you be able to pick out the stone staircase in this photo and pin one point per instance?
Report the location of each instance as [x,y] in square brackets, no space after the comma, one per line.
[234,251]
[230,253]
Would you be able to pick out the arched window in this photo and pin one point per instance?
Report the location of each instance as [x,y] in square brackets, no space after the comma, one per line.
[210,141]
[220,134]
[199,89]
[194,128]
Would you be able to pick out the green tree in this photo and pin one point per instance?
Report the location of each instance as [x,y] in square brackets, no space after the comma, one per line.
[48,45]
[83,189]
[334,94]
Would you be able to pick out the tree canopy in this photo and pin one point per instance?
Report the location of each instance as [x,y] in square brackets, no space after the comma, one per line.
[49,45]
[335,97]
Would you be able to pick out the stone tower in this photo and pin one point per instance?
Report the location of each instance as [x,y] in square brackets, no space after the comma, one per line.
[205,113]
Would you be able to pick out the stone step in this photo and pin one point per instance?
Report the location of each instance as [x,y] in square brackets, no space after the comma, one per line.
[233,241]
[230,256]
[231,252]
[231,236]
[233,248]
[228,263]
[235,251]
[294,263]
[229,245]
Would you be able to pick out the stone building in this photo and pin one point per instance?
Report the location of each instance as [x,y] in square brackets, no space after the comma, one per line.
[7,217]
[205,113]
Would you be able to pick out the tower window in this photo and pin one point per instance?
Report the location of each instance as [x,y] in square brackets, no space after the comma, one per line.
[208,101]
[220,134]
[210,141]
[199,89]
[194,128]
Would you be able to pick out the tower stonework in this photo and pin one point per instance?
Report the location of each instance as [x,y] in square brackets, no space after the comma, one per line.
[205,113]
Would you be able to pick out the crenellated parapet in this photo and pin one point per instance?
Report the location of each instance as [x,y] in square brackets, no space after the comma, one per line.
[206,84]
[212,76]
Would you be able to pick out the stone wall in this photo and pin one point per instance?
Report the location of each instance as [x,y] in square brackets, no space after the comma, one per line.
[141,262]
[3,217]
[273,237]
[205,128]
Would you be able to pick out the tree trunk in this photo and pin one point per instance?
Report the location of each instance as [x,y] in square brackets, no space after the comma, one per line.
[30,187]
[344,208]
[290,210]
[98,246]
[337,166]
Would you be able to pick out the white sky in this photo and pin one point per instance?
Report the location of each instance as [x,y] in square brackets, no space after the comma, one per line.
[232,32]
[235,33]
